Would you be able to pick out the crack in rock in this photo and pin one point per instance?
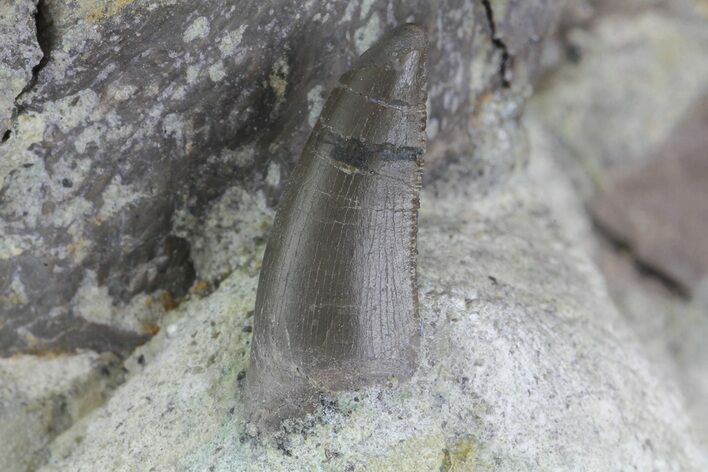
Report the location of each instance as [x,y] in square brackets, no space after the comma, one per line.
[20,53]
[42,22]
[499,44]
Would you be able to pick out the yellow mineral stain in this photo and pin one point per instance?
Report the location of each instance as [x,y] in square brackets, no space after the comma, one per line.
[151,328]
[168,301]
[77,247]
[458,457]
[13,298]
[200,287]
[99,10]
[423,453]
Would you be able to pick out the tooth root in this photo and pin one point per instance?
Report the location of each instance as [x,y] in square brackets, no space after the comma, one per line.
[337,304]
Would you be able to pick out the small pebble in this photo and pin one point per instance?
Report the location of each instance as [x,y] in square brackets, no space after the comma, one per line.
[172,330]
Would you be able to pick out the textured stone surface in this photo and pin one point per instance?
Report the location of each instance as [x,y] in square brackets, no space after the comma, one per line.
[599,123]
[672,330]
[20,53]
[151,116]
[526,365]
[42,396]
[661,209]
[628,79]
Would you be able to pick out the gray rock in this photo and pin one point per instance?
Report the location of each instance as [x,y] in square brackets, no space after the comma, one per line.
[148,119]
[627,80]
[526,362]
[660,210]
[671,329]
[20,53]
[526,365]
[40,397]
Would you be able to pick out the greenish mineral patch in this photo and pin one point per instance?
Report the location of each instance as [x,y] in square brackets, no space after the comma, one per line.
[229,43]
[458,456]
[278,80]
[198,29]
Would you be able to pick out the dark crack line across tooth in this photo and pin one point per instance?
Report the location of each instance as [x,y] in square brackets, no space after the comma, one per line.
[400,106]
[350,169]
[386,144]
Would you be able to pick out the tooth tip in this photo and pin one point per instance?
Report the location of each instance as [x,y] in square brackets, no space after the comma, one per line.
[382,98]
[395,46]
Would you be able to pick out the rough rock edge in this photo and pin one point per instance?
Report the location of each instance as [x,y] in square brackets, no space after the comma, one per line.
[31,69]
[40,397]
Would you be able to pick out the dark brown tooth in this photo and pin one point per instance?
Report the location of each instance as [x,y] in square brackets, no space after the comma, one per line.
[337,303]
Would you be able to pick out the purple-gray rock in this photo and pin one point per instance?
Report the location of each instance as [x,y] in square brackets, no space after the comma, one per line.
[660,210]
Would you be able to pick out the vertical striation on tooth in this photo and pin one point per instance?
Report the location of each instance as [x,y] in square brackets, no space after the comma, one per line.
[337,304]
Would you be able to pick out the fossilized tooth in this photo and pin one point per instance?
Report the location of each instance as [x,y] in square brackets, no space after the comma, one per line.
[337,304]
